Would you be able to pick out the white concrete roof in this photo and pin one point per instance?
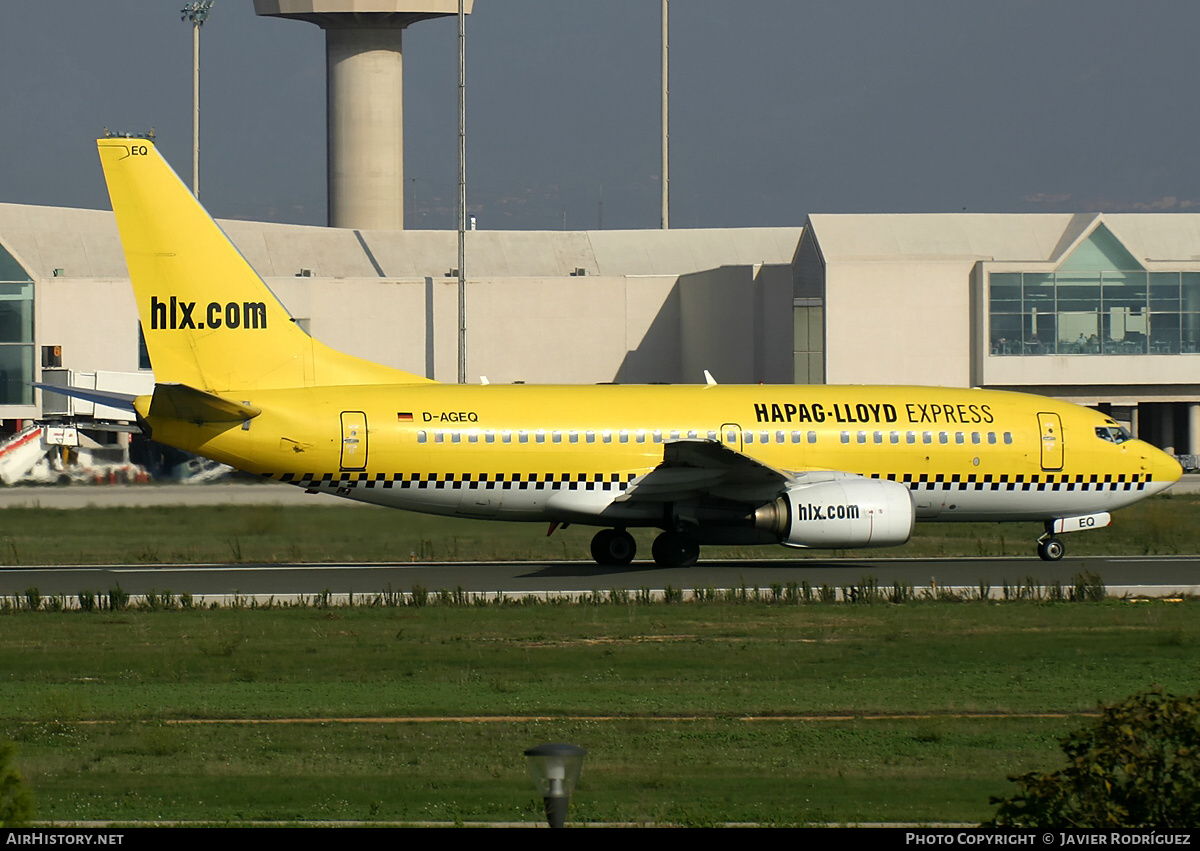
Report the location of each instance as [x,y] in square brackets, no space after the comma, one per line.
[1163,237]
[84,243]
[1028,237]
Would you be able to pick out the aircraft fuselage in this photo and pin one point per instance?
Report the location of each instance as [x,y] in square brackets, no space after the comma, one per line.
[516,452]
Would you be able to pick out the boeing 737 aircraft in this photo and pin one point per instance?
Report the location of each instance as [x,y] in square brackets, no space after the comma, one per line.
[799,465]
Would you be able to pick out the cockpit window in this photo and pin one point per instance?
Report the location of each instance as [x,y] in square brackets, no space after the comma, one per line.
[1113,433]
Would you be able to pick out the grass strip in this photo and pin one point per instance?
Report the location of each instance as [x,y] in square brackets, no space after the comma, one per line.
[694,773]
[960,682]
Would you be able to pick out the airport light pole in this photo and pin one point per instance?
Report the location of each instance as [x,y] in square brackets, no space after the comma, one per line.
[462,195]
[666,179]
[197,13]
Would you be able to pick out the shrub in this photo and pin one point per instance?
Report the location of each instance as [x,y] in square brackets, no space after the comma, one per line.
[16,801]
[1139,766]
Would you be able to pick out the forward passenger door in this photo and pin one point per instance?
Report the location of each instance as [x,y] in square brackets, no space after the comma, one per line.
[1050,426]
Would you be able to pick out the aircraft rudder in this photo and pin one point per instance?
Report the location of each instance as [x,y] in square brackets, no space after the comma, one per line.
[208,318]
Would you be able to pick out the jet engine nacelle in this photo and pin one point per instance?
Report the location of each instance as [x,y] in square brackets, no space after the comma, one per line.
[840,513]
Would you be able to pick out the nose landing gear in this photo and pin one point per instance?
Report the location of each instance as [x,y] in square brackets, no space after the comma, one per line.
[1050,548]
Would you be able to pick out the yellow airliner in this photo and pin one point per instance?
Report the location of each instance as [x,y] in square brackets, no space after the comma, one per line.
[801,465]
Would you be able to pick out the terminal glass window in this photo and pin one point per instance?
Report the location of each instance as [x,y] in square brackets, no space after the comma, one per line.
[1095,313]
[1099,302]
[16,332]
[808,341]
[143,351]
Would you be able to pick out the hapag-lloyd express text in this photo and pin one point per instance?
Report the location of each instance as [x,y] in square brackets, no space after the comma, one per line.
[871,412]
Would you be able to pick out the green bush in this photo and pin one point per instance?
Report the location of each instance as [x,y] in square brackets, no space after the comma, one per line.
[16,801]
[1138,767]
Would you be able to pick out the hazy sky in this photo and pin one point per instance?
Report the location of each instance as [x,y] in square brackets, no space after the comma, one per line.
[779,108]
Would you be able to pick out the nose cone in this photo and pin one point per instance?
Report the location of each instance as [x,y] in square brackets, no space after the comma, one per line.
[1163,468]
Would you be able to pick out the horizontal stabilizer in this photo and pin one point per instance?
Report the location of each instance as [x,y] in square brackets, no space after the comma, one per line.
[121,401]
[180,402]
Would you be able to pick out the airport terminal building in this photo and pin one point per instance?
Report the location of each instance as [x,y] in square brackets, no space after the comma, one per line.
[1100,309]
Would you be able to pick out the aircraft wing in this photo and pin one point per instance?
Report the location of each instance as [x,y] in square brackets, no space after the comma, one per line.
[694,468]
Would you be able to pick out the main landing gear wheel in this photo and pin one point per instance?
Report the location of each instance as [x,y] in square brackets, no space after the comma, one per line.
[675,549]
[1051,549]
[613,547]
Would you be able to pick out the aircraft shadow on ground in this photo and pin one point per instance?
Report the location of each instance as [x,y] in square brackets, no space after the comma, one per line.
[578,570]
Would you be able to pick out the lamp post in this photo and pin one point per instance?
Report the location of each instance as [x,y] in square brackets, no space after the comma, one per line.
[462,194]
[555,768]
[197,13]
[666,165]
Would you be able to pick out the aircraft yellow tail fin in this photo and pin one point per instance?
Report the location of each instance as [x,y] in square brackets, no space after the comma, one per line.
[209,320]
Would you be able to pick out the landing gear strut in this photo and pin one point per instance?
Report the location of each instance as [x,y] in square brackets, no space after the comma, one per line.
[613,547]
[675,549]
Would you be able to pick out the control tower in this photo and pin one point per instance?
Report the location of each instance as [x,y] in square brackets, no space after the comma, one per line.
[364,104]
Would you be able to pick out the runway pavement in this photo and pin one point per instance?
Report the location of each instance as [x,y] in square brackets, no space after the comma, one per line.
[1157,576]
[144,496]
[1148,575]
